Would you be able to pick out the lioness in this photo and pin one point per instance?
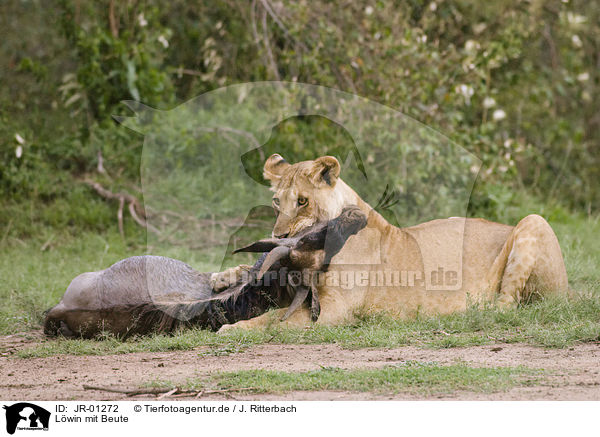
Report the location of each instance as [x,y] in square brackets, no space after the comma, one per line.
[436,267]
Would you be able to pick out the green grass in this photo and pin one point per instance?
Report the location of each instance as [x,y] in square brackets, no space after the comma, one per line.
[550,323]
[207,343]
[411,376]
[34,279]
[35,271]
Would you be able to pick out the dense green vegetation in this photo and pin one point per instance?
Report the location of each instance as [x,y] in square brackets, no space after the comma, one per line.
[514,82]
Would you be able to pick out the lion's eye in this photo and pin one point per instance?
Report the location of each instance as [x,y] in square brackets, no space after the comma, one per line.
[302,201]
[276,201]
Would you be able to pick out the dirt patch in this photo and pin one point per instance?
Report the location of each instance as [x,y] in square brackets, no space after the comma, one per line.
[574,373]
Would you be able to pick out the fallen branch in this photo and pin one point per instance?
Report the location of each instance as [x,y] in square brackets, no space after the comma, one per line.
[140,221]
[135,207]
[147,391]
[170,222]
[167,394]
[161,393]
[107,194]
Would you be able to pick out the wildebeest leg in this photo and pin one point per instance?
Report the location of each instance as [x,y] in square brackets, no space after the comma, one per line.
[299,298]
[64,330]
[315,306]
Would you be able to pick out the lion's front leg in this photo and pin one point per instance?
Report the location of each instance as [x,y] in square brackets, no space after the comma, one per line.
[335,310]
[300,318]
[220,281]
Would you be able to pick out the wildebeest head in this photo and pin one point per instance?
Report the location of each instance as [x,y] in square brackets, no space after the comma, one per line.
[312,250]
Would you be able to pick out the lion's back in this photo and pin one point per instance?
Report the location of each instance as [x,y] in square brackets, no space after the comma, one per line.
[468,246]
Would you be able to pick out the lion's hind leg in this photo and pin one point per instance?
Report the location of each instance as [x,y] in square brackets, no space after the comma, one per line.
[534,264]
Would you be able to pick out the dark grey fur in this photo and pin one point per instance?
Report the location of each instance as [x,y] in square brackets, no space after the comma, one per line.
[143,294]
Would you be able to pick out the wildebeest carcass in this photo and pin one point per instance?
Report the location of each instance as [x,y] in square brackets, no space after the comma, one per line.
[145,294]
[142,294]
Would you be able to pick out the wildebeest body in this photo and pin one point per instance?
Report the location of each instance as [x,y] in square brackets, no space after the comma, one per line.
[148,293]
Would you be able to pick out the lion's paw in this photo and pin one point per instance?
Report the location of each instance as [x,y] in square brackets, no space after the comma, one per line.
[223,329]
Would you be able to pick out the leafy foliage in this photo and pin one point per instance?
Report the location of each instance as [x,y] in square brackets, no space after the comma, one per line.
[514,82]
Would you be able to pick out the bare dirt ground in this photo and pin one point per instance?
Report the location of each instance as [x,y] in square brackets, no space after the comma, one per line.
[573,373]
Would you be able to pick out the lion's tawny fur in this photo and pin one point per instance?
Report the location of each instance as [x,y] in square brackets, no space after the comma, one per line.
[494,262]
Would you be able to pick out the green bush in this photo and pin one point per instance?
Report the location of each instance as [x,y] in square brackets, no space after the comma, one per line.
[515,83]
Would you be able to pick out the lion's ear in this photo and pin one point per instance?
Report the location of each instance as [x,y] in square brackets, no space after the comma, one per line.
[325,170]
[274,167]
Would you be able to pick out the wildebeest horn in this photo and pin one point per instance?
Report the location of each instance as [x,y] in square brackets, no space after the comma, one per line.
[274,255]
[265,245]
[301,293]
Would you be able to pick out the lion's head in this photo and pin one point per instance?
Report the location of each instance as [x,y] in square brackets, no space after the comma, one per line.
[306,192]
